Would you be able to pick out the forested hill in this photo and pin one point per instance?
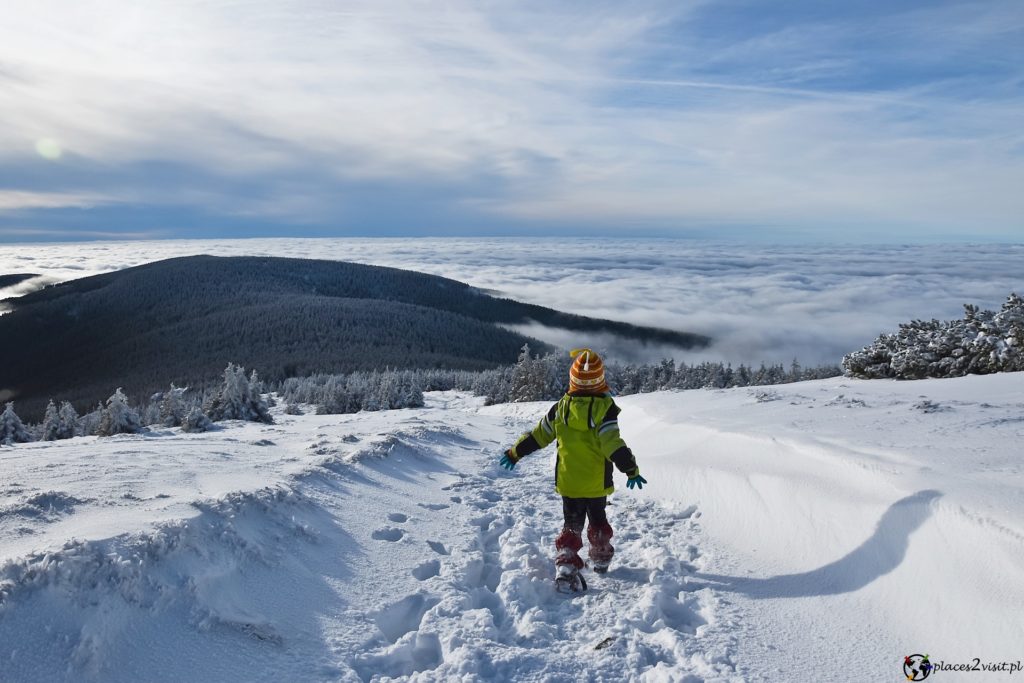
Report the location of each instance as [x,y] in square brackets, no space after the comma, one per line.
[14,279]
[183,319]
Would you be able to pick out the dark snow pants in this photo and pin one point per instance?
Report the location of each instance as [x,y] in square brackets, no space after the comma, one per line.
[577,511]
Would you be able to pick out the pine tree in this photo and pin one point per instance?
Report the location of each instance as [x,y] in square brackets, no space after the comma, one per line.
[172,410]
[51,423]
[11,428]
[118,417]
[68,421]
[983,342]
[528,377]
[236,400]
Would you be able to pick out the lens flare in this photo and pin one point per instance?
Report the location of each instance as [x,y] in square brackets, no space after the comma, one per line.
[48,148]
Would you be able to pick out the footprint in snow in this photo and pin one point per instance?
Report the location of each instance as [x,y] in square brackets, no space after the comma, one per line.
[404,616]
[398,518]
[438,547]
[388,534]
[434,506]
[427,570]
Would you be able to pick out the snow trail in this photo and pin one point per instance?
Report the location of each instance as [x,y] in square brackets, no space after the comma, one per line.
[486,608]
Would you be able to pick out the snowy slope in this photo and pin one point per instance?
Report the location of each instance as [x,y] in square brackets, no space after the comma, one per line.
[847,522]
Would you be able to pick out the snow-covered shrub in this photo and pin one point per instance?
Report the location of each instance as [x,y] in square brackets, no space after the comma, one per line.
[196,421]
[983,342]
[11,428]
[292,409]
[257,387]
[58,423]
[337,394]
[118,417]
[68,421]
[89,424]
[51,423]
[172,407]
[532,378]
[237,399]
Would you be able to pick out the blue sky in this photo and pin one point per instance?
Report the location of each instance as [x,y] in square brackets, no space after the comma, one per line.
[765,122]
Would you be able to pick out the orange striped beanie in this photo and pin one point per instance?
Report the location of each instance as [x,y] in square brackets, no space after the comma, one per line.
[587,373]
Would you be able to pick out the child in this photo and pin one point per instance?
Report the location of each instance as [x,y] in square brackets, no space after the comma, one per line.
[585,423]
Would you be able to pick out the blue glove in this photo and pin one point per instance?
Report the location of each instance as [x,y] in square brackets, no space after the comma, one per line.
[637,482]
[507,462]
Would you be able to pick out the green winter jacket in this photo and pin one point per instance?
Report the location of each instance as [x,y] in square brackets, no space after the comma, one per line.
[587,430]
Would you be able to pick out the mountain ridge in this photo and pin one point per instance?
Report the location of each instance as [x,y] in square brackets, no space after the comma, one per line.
[183,319]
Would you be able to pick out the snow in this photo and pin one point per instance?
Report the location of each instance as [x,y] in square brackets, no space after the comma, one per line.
[850,523]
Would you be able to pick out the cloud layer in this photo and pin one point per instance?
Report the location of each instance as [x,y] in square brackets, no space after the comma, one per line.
[189,118]
[767,304]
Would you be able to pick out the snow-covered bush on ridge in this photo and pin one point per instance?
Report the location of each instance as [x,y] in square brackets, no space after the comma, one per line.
[172,408]
[237,399]
[90,422]
[51,425]
[69,421]
[545,378]
[536,379]
[118,417]
[196,421]
[11,428]
[59,423]
[982,343]
[335,394]
[530,379]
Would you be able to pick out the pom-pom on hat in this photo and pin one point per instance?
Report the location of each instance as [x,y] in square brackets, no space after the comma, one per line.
[587,373]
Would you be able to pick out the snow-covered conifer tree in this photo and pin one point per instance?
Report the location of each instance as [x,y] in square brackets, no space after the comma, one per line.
[172,409]
[983,342]
[68,421]
[118,417]
[236,399]
[90,422]
[11,428]
[528,377]
[51,423]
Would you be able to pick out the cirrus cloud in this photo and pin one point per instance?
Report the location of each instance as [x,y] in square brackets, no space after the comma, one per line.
[875,122]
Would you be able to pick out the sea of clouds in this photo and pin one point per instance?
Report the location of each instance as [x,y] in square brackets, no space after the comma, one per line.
[759,303]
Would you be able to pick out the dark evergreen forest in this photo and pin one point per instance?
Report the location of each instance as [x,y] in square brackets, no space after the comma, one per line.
[13,279]
[183,319]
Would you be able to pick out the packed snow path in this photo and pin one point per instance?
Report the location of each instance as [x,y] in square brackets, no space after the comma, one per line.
[824,529]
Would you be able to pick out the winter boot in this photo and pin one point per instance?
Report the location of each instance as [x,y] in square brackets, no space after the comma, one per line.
[601,550]
[568,562]
[569,580]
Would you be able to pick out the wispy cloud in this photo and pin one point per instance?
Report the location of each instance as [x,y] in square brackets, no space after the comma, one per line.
[485,117]
[13,200]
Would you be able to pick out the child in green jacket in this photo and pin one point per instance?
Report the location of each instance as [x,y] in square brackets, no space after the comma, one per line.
[585,424]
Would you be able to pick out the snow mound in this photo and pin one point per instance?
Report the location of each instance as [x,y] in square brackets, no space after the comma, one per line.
[178,584]
[45,505]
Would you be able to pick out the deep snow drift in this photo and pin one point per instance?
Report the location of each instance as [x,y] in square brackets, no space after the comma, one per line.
[824,529]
